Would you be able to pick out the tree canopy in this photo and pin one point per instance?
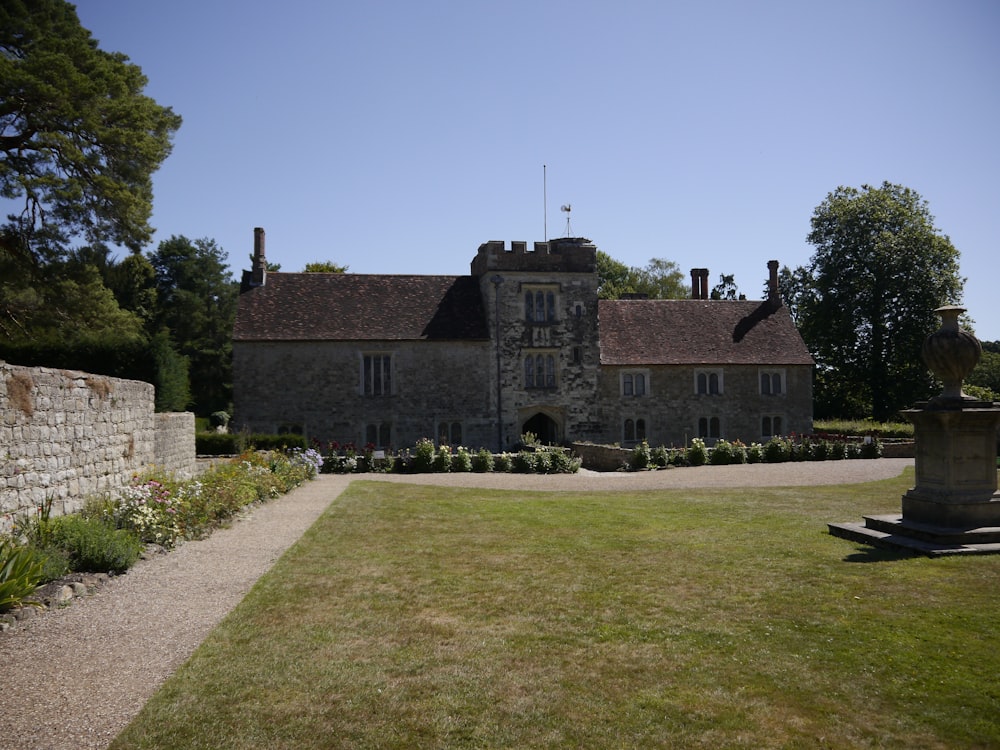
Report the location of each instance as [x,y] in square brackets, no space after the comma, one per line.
[987,372]
[865,302]
[79,141]
[197,304]
[659,279]
[325,266]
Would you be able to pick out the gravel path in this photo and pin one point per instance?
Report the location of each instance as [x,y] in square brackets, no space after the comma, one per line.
[73,678]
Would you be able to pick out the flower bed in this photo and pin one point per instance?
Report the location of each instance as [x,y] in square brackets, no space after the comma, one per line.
[426,457]
[775,450]
[110,532]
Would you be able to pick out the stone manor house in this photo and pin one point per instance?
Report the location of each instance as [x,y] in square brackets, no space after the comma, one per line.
[521,344]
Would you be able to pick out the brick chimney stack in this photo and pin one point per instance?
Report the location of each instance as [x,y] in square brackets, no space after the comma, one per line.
[699,283]
[258,270]
[772,282]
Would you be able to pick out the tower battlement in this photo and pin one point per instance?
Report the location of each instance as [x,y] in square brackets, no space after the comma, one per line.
[565,255]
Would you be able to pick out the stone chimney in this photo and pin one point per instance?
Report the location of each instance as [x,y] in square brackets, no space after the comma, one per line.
[772,282]
[258,270]
[699,283]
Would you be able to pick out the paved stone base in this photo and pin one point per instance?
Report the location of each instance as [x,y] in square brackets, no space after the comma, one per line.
[896,533]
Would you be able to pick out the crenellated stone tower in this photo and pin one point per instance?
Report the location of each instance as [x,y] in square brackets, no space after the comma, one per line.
[541,304]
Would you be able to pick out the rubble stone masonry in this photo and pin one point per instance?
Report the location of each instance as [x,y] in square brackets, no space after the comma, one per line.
[66,435]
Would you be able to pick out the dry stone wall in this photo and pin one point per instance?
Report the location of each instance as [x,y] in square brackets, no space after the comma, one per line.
[66,435]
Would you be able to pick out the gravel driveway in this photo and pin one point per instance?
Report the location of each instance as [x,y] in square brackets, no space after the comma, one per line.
[74,677]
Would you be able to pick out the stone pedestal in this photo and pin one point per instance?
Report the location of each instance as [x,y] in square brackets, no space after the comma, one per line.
[954,507]
[956,466]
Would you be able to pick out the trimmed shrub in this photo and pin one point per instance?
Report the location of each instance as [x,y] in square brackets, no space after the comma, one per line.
[215,443]
[564,462]
[482,461]
[502,463]
[739,453]
[721,454]
[660,457]
[422,460]
[523,462]
[233,443]
[442,460]
[265,442]
[462,460]
[872,449]
[641,457]
[777,449]
[697,453]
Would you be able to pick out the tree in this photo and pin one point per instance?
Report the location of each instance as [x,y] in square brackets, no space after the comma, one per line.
[612,275]
[325,266]
[64,301]
[987,372]
[866,301]
[79,141]
[659,279]
[196,302]
[726,288]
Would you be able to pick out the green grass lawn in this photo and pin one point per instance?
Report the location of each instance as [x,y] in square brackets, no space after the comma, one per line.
[424,617]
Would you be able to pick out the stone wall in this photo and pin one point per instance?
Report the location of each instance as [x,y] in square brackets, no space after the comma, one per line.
[671,408]
[314,389]
[174,443]
[601,457]
[66,435]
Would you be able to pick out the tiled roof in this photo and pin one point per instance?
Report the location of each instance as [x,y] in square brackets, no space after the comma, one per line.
[358,307]
[698,332]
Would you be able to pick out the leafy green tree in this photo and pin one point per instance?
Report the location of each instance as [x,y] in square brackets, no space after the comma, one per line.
[64,301]
[133,281]
[726,288]
[659,279]
[173,391]
[987,372]
[613,277]
[79,140]
[325,266]
[196,302]
[866,301]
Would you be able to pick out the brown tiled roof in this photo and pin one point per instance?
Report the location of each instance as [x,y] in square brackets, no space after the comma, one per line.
[698,332]
[358,307]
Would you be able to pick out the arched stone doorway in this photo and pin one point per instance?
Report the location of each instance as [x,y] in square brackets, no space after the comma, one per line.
[544,427]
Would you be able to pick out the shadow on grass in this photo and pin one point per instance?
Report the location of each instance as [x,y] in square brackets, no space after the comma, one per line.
[877,555]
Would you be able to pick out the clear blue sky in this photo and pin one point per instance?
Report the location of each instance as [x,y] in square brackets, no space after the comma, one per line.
[395,137]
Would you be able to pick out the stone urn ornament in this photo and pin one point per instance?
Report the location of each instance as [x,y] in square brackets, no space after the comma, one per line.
[951,354]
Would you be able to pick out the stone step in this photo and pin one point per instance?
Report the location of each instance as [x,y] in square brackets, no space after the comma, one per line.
[896,524]
[901,542]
